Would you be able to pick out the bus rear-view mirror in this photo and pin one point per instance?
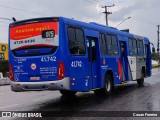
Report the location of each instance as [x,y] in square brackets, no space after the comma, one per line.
[153,50]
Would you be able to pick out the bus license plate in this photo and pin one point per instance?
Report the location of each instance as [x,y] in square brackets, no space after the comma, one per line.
[34,78]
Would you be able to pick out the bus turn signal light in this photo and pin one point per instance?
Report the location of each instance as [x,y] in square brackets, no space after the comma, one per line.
[61,70]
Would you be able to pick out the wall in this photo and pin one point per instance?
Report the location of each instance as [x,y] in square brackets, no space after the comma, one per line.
[3,51]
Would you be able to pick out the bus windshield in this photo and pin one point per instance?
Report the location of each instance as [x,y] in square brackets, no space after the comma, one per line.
[34,38]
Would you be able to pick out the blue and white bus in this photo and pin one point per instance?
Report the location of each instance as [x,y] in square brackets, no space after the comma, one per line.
[58,53]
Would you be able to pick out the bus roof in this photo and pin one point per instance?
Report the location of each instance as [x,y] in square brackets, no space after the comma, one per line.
[102,28]
[91,25]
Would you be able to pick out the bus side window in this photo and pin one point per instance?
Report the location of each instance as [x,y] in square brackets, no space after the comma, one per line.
[103,46]
[76,41]
[122,48]
[109,39]
[112,45]
[130,47]
[133,47]
[140,48]
[91,46]
[88,49]
[93,51]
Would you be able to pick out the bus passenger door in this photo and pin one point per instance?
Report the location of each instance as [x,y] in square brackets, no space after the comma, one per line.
[148,60]
[92,46]
[133,67]
[123,59]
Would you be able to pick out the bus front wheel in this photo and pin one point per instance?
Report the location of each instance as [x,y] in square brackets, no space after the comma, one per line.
[68,92]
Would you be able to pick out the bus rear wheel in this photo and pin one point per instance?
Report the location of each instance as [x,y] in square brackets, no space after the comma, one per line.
[140,81]
[108,87]
[68,92]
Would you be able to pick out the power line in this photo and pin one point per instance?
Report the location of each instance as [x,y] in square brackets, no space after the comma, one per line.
[21,10]
[123,11]
[91,1]
[5,22]
[141,19]
[6,18]
[3,26]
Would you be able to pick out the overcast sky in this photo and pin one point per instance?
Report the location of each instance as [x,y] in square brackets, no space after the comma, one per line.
[144,13]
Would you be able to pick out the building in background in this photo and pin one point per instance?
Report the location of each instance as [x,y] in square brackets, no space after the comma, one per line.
[3,52]
[4,60]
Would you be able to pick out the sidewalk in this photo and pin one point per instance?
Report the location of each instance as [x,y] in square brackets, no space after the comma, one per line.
[155,69]
[4,81]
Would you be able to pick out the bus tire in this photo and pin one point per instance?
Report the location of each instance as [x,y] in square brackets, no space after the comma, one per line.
[12,89]
[140,81]
[68,92]
[108,87]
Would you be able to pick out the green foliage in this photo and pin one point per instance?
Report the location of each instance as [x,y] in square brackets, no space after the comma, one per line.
[154,56]
[4,66]
[155,66]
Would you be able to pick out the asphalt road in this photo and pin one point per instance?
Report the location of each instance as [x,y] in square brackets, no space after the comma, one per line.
[129,97]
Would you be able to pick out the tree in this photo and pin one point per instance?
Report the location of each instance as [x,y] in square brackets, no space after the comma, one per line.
[154,56]
[4,68]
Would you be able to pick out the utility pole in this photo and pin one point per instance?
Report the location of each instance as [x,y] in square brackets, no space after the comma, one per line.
[158,41]
[107,12]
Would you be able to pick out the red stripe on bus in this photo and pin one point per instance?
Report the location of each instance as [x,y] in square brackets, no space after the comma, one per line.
[120,70]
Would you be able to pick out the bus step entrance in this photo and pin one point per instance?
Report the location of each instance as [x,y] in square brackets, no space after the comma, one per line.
[124,82]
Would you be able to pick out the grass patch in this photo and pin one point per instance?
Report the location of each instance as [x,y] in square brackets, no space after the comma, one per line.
[155,66]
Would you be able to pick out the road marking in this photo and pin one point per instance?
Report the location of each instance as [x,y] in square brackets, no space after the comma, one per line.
[37,100]
[9,106]
[41,99]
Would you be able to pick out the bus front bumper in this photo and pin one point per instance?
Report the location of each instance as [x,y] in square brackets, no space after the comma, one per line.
[63,84]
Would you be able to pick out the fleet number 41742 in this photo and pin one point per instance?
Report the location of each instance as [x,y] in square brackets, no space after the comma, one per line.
[48,59]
